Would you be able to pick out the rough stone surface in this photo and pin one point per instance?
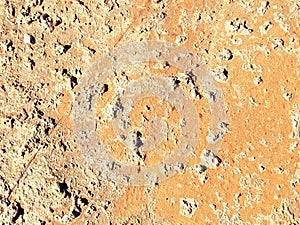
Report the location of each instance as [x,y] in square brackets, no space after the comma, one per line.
[253,49]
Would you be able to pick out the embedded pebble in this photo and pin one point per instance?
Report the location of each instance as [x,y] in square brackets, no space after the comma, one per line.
[29,39]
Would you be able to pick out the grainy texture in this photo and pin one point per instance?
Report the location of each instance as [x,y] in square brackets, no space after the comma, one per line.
[253,50]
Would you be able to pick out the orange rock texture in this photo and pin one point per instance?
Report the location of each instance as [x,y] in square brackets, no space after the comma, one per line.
[251,47]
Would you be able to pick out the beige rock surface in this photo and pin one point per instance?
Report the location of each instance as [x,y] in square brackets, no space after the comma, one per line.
[253,50]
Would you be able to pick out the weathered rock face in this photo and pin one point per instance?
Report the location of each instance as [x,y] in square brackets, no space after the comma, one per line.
[252,49]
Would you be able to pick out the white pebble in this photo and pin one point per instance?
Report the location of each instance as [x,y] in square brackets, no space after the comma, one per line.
[287,96]
[28,39]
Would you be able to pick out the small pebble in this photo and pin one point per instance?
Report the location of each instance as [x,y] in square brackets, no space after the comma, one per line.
[227,54]
[221,75]
[287,96]
[258,80]
[29,39]
[261,168]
